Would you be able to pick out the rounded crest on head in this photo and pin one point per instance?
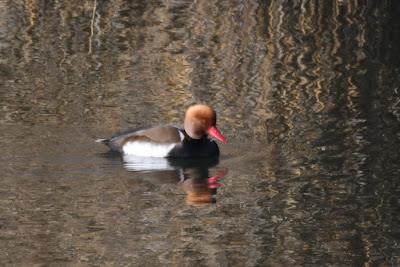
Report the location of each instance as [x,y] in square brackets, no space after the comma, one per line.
[202,113]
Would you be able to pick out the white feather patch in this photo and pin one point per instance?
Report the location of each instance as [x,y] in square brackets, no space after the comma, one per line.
[181,135]
[145,149]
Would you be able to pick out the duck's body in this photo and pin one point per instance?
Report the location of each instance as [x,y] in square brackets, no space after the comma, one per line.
[171,140]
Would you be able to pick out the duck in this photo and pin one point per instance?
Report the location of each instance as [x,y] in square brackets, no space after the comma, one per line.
[189,140]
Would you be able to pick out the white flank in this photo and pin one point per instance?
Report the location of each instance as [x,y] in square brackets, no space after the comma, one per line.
[147,150]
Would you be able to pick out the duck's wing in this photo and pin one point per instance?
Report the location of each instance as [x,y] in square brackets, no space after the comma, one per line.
[164,134]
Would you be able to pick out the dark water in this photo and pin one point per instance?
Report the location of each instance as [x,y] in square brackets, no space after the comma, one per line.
[307,93]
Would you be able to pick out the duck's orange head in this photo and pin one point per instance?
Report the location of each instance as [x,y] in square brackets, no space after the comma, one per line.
[200,120]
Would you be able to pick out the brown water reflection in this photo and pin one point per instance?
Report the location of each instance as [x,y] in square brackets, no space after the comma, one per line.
[307,92]
[194,173]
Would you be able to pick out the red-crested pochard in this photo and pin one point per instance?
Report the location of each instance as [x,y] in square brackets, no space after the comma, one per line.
[185,141]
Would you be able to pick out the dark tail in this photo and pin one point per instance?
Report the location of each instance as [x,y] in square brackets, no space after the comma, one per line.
[103,141]
[111,145]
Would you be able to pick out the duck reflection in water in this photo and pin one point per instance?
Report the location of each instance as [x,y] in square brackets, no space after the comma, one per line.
[194,173]
[200,191]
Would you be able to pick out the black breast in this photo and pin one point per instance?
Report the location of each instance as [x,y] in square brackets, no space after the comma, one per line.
[195,148]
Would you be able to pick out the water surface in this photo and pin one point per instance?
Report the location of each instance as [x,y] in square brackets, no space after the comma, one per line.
[307,93]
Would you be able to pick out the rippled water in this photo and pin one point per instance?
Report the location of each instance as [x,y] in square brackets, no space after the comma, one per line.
[307,93]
